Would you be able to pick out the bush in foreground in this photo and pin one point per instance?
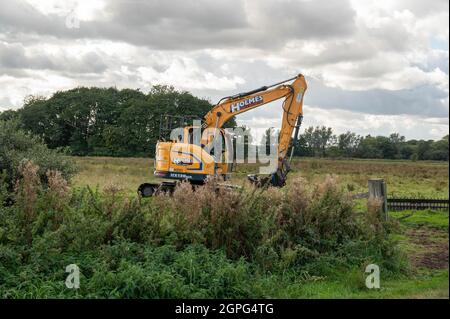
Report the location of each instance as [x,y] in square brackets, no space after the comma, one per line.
[211,242]
[17,147]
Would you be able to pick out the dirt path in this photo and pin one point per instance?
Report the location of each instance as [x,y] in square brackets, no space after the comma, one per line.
[432,248]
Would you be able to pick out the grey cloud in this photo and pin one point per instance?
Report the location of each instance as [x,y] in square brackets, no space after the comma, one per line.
[424,100]
[304,19]
[189,13]
[89,63]
[14,57]
[391,36]
[367,44]
[21,17]
[192,24]
[256,73]
[422,8]
[335,52]
[173,32]
[16,73]
[438,121]
[438,59]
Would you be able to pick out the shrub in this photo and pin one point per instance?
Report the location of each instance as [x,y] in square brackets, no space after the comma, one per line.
[294,226]
[17,146]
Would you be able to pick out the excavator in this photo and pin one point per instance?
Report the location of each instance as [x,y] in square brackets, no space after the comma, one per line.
[182,159]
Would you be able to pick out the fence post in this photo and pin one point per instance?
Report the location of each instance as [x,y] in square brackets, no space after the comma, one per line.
[377,189]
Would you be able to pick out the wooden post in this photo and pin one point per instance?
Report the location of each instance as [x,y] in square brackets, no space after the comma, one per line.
[377,189]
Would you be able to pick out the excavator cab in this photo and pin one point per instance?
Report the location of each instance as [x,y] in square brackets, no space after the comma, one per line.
[187,157]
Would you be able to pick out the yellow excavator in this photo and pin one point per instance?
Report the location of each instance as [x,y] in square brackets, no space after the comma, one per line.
[181,158]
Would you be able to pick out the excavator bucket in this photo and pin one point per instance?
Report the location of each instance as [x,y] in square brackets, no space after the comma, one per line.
[276,179]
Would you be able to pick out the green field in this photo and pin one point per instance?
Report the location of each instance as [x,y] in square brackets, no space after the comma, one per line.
[422,236]
[403,178]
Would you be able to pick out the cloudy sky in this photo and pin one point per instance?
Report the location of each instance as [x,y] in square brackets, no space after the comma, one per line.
[372,66]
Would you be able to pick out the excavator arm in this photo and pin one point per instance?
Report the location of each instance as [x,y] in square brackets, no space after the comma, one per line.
[292,116]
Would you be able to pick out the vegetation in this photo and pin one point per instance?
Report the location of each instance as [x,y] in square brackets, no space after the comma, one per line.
[111,122]
[320,141]
[307,240]
[17,146]
[404,178]
[105,121]
[203,243]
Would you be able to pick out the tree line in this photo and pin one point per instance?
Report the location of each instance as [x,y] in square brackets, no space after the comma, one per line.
[112,122]
[321,141]
[105,121]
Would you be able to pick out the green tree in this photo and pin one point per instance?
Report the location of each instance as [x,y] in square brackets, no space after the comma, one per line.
[348,143]
[424,149]
[368,148]
[8,115]
[315,140]
[107,121]
[270,138]
[439,150]
[396,140]
[387,148]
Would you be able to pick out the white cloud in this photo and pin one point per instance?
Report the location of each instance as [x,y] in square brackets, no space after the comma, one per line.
[42,83]
[85,10]
[185,73]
